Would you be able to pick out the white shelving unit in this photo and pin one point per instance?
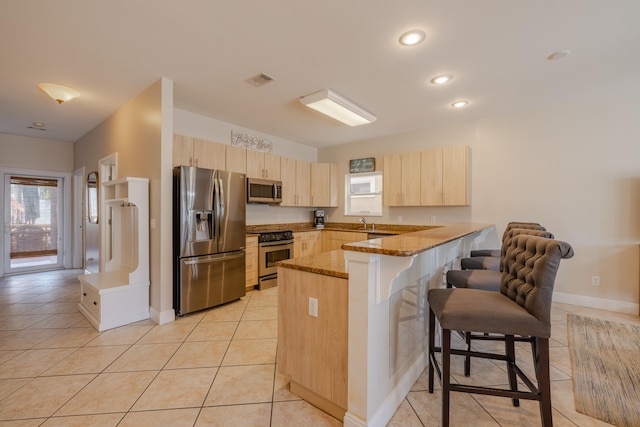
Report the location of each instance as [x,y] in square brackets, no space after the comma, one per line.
[120,294]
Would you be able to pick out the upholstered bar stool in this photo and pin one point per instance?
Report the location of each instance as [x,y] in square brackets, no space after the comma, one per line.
[489,259]
[488,280]
[522,307]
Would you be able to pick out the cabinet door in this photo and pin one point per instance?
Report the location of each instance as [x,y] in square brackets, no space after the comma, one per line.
[455,176]
[303,183]
[324,191]
[182,150]
[272,166]
[208,154]
[236,159]
[431,177]
[251,262]
[392,180]
[410,179]
[255,164]
[288,178]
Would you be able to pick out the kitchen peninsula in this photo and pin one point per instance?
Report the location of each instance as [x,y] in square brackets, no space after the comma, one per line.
[352,323]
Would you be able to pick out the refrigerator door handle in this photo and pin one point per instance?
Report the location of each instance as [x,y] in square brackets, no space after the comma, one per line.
[221,257]
[221,198]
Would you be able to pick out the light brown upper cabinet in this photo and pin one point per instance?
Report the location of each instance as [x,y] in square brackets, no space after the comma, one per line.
[445,176]
[296,182]
[189,151]
[236,159]
[263,165]
[401,179]
[324,185]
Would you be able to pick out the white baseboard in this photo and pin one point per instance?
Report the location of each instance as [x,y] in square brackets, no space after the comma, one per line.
[162,317]
[600,303]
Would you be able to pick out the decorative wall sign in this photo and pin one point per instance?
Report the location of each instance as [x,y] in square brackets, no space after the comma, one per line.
[362,165]
[250,142]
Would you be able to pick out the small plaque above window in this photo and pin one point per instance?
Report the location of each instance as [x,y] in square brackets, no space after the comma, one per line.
[362,165]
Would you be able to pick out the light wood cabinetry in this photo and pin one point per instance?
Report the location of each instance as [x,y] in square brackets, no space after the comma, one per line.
[438,177]
[312,351]
[263,165]
[324,185]
[236,159]
[307,243]
[120,294]
[335,239]
[445,176]
[189,151]
[296,182]
[251,262]
[401,175]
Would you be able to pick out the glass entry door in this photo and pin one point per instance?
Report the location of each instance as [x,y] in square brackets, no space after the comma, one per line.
[33,211]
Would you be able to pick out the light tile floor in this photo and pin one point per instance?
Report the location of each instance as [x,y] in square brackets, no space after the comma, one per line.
[212,368]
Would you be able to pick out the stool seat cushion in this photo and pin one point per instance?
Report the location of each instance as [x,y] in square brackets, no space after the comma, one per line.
[487,280]
[475,310]
[481,263]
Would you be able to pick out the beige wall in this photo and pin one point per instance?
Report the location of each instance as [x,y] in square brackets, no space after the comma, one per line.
[21,152]
[135,132]
[574,168]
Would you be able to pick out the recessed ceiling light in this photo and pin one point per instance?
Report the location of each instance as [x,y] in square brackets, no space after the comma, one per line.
[441,79]
[412,38]
[558,55]
[38,124]
[460,104]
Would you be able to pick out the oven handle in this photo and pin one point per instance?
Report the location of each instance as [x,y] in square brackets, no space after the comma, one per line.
[278,243]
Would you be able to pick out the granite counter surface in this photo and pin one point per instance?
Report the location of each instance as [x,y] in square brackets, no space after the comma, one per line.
[405,244]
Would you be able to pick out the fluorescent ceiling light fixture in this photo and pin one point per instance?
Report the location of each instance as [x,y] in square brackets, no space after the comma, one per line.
[460,104]
[412,38]
[335,106]
[59,93]
[441,79]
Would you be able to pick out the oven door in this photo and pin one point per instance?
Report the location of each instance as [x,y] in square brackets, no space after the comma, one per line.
[271,252]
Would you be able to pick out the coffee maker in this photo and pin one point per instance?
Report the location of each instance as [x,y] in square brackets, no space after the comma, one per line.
[318,218]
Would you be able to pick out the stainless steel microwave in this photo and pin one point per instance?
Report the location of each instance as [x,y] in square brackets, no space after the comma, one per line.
[264,191]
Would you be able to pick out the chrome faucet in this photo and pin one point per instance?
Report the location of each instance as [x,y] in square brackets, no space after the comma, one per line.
[363,221]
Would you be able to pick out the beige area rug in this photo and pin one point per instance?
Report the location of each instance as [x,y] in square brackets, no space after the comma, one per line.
[605,359]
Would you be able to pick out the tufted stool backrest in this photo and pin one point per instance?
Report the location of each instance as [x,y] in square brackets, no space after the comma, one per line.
[526,225]
[513,232]
[531,264]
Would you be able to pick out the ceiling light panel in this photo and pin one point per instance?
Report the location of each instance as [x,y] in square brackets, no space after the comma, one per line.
[337,107]
[441,79]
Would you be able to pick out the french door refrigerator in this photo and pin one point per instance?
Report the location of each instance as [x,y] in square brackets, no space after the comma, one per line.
[208,238]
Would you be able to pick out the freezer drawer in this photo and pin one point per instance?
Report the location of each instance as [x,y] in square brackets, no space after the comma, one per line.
[210,280]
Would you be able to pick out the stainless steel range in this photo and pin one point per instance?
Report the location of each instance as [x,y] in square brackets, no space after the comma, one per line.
[273,246]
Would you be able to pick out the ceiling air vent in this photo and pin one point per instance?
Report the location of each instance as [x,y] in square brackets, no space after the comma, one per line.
[259,80]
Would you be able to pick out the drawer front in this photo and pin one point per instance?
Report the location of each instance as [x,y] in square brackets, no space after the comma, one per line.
[90,299]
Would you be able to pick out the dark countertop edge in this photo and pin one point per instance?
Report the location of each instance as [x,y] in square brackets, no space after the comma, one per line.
[314,270]
[426,234]
[391,229]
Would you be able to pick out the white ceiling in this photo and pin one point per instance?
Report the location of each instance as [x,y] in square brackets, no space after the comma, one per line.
[496,49]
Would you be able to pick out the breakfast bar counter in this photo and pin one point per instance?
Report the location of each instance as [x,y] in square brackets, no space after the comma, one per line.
[352,323]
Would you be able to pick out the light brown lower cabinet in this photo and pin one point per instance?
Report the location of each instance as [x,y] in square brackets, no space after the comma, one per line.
[312,351]
[251,262]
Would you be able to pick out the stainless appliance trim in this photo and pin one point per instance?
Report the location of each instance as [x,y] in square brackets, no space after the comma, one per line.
[267,271]
[264,191]
[220,257]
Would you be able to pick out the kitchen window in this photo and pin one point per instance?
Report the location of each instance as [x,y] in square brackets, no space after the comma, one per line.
[363,194]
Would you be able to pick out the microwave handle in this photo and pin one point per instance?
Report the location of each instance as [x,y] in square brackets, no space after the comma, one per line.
[274,190]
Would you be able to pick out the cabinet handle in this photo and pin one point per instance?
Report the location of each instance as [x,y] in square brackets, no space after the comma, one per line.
[95,303]
[84,294]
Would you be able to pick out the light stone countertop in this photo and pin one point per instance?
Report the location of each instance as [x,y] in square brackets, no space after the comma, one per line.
[406,244]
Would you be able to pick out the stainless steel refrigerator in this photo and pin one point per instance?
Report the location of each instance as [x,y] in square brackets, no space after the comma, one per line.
[208,237]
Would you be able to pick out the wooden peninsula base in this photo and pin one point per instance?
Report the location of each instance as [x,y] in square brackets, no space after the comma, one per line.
[352,323]
[312,350]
